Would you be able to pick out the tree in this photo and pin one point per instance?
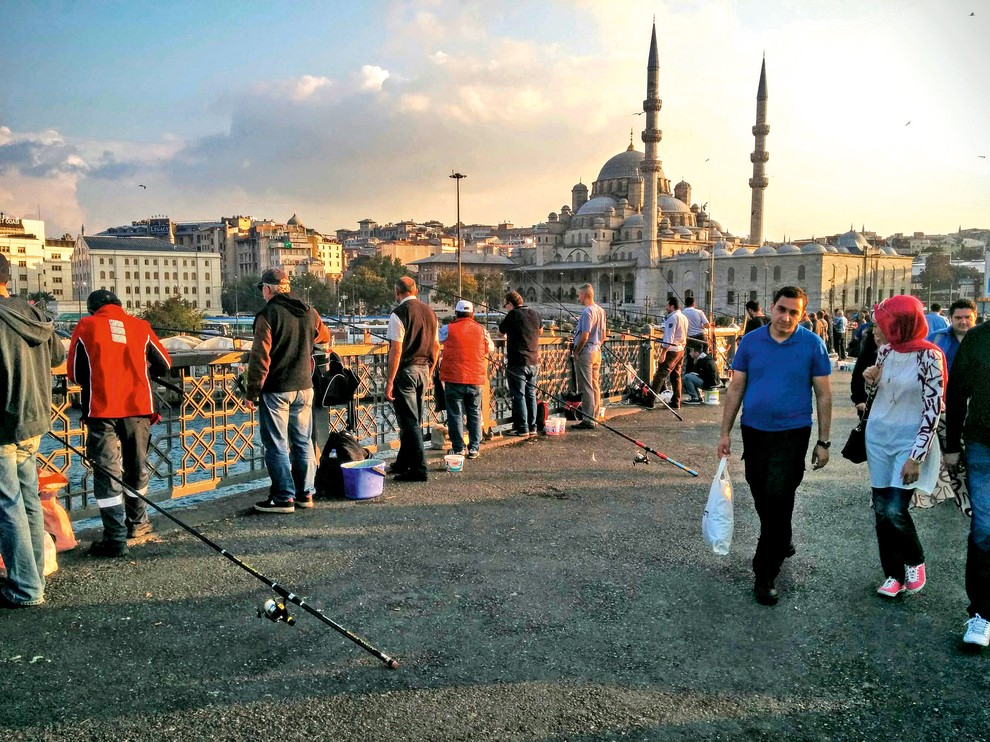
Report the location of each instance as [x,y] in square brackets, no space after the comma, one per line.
[372,281]
[483,288]
[41,298]
[242,296]
[174,316]
[315,292]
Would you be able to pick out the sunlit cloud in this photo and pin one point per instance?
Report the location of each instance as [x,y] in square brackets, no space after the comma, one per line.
[373,77]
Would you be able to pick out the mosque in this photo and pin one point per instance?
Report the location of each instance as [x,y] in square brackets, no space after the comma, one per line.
[637,241]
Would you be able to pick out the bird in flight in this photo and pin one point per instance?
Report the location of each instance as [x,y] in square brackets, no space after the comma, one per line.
[639,113]
[707,159]
[981,157]
[908,123]
[141,185]
[973,13]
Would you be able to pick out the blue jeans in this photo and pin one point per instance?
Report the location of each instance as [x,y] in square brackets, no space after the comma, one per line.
[22,523]
[463,399]
[521,381]
[692,383]
[978,552]
[897,537]
[286,423]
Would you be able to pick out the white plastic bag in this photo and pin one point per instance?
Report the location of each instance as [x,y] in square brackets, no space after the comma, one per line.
[716,524]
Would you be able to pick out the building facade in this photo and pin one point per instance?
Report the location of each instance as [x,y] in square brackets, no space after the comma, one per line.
[38,264]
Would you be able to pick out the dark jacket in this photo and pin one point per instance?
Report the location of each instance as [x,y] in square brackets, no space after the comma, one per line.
[521,327]
[866,358]
[29,350]
[704,366]
[419,342]
[967,399]
[281,358]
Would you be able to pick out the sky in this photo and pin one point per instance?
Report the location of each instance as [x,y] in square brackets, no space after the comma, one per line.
[342,110]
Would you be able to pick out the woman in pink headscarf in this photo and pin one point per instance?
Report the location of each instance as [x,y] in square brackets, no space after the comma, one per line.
[908,384]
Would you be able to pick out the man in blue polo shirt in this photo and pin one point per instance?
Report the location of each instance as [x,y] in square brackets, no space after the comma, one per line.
[774,372]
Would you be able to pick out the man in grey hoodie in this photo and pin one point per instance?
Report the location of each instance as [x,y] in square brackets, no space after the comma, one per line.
[29,350]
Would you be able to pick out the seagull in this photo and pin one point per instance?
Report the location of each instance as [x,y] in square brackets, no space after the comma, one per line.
[972,14]
[981,157]
[908,123]
[707,159]
[140,185]
[639,113]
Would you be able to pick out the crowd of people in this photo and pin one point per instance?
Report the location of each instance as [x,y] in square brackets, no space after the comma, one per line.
[910,372]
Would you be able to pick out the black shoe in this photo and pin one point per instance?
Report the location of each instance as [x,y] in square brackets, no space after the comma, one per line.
[8,604]
[473,453]
[393,469]
[139,529]
[306,501]
[518,434]
[765,592]
[585,425]
[693,400]
[108,549]
[791,551]
[410,476]
[271,506]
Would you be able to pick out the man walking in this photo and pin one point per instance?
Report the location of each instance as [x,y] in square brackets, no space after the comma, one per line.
[29,350]
[839,325]
[671,354]
[280,382]
[935,320]
[464,371]
[522,328]
[587,353]
[755,318]
[113,356]
[967,416]
[774,372]
[962,317]
[412,355]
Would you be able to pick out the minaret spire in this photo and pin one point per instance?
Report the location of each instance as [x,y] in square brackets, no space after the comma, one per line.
[759,159]
[651,166]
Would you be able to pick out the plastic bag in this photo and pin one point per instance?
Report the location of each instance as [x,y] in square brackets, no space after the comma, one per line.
[716,524]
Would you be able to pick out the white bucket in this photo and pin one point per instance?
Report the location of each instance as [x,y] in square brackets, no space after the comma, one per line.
[454,462]
[711,397]
[556,426]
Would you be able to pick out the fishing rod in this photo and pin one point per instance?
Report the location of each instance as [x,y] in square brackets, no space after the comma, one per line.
[272,609]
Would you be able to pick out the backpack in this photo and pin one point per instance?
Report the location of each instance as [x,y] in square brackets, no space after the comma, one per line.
[542,413]
[572,405]
[333,382]
[340,448]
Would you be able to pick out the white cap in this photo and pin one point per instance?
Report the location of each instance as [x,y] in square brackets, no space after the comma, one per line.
[464,306]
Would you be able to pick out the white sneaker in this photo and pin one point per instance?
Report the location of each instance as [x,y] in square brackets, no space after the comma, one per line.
[977,631]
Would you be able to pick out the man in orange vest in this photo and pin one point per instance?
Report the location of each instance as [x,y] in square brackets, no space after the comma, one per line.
[463,371]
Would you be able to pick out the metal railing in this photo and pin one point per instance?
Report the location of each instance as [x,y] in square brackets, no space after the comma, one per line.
[207,437]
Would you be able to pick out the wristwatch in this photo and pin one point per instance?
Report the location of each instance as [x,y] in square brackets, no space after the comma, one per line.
[824,444]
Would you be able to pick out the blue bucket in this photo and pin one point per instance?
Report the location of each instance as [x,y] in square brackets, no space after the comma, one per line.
[363,479]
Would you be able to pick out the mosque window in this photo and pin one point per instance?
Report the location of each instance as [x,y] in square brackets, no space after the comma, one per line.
[640,235]
[732,278]
[752,274]
[801,273]
[776,273]
[730,297]
[752,296]
[670,276]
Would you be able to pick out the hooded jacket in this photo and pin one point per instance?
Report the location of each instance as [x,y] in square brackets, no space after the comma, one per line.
[109,357]
[281,358]
[29,350]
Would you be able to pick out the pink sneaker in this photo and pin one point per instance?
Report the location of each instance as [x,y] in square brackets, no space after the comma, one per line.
[914,578]
[891,588]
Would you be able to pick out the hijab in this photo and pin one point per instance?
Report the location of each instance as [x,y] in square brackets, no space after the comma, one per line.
[902,321]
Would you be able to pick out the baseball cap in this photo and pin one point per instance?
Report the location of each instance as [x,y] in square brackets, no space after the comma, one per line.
[273,277]
[464,306]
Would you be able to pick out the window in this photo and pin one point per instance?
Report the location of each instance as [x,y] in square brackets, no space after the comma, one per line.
[147,275]
[103,274]
[801,273]
[56,256]
[22,250]
[137,303]
[194,290]
[156,274]
[207,290]
[175,262]
[185,275]
[752,274]
[207,303]
[166,291]
[156,290]
[147,289]
[113,274]
[752,296]
[732,277]
[155,262]
[145,261]
[127,290]
[57,279]
[730,297]
[22,264]
[776,273]
[127,274]
[128,303]
[185,289]
[207,277]
[127,261]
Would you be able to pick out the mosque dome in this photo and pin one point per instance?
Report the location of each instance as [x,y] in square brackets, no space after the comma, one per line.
[294,221]
[721,251]
[597,205]
[842,250]
[742,251]
[830,248]
[889,251]
[669,203]
[714,234]
[854,241]
[765,250]
[636,220]
[813,247]
[623,165]
[704,254]
[788,249]
[682,230]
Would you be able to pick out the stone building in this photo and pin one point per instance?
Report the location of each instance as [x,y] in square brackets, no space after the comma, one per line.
[37,263]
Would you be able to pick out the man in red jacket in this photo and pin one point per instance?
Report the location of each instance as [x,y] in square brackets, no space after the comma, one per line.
[463,371]
[109,357]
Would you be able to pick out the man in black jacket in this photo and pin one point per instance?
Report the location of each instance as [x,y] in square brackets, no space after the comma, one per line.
[29,350]
[522,328]
[280,380]
[704,376]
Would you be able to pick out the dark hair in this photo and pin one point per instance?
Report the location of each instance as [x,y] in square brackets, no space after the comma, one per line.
[406,285]
[753,305]
[100,298]
[791,292]
[514,298]
[4,270]
[936,307]
[689,301]
[672,301]
[962,304]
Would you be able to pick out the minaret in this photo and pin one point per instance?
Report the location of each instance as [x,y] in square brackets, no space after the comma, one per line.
[651,166]
[759,159]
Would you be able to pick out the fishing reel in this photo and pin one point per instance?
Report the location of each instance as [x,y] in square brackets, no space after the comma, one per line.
[275,611]
[640,458]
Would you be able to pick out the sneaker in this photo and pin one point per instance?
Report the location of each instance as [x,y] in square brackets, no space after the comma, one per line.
[139,529]
[473,453]
[8,604]
[271,506]
[891,588]
[914,578]
[532,434]
[411,476]
[693,400]
[305,501]
[977,631]
[393,469]
[452,452]
[585,425]
[765,592]
[109,549]
[518,434]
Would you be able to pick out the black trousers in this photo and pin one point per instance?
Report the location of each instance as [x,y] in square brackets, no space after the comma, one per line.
[119,446]
[407,401]
[774,470]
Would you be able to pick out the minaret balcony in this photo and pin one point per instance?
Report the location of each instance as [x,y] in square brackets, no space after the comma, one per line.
[761,130]
[758,182]
[760,156]
[652,105]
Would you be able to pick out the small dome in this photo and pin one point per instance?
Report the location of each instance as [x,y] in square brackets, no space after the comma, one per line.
[636,220]
[765,250]
[714,234]
[721,250]
[682,230]
[788,249]
[665,222]
[813,247]
[742,251]
[830,248]
[580,187]
[889,251]
[623,165]
[854,241]
[716,225]
[671,204]
[294,221]
[842,250]
[597,205]
[702,253]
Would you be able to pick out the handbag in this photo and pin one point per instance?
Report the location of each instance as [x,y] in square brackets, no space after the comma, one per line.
[855,448]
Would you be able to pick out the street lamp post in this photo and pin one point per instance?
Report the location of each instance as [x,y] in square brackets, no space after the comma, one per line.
[457,181]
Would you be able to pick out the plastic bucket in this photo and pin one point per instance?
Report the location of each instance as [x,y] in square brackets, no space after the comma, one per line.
[454,461]
[363,479]
[711,396]
[556,425]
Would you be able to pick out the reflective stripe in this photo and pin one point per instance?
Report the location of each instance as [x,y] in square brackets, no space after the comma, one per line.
[142,491]
[110,502]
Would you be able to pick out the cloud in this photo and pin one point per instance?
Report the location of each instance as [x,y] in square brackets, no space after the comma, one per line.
[296,88]
[373,77]
[414,103]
